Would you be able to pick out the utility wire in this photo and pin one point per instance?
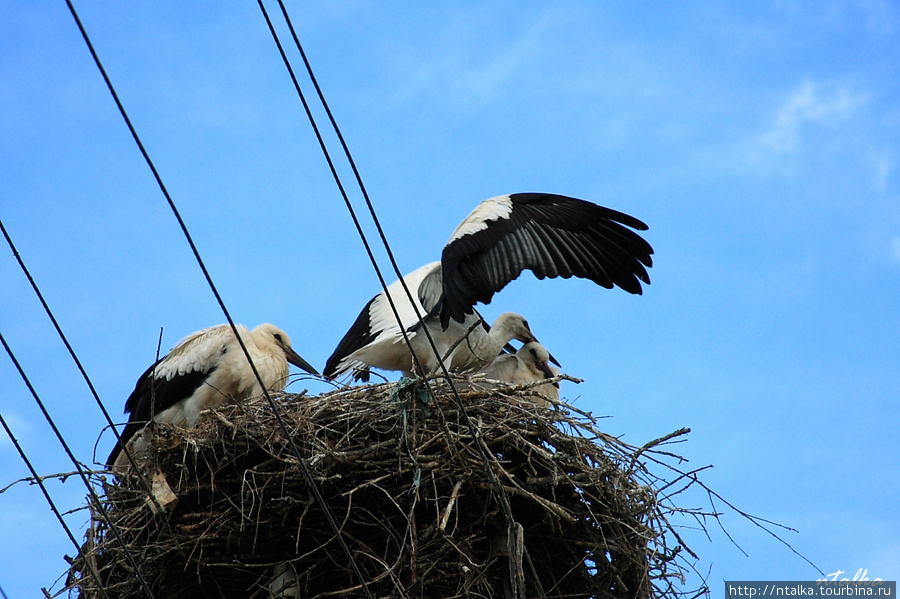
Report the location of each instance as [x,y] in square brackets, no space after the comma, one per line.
[80,470]
[359,181]
[365,194]
[486,457]
[40,481]
[304,467]
[87,379]
[340,185]
[375,219]
[504,500]
[59,331]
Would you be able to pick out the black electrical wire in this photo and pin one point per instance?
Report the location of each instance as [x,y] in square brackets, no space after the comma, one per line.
[365,194]
[84,375]
[53,508]
[81,473]
[304,467]
[359,180]
[486,459]
[343,192]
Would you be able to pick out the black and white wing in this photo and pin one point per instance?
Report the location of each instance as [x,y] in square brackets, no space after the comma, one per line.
[550,235]
[361,334]
[172,379]
[376,329]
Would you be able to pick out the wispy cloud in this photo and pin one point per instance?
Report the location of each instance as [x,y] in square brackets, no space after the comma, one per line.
[895,249]
[462,65]
[876,16]
[883,166]
[808,105]
[20,428]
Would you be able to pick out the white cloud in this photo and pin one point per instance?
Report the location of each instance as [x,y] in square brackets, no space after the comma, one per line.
[19,426]
[884,165]
[462,64]
[808,105]
[895,249]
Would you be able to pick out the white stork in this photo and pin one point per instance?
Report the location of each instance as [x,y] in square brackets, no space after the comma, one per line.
[376,340]
[551,235]
[206,370]
[528,365]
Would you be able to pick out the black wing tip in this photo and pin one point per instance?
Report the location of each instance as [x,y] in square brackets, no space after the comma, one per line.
[615,215]
[357,336]
[330,370]
[632,284]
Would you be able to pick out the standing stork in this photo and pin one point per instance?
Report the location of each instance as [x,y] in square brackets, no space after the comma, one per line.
[206,370]
[550,235]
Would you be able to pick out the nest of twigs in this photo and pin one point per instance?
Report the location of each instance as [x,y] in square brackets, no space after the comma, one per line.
[538,503]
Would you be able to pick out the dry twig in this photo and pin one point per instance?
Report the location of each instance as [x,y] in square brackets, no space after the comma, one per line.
[394,474]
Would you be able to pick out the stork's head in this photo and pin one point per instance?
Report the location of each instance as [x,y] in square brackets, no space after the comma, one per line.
[272,334]
[514,326]
[538,359]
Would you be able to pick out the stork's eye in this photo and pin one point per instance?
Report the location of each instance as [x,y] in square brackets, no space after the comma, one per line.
[278,338]
[533,352]
[525,322]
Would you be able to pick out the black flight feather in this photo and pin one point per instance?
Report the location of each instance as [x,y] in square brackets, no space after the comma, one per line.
[552,236]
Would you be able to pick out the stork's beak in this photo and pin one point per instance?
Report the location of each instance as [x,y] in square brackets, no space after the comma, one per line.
[552,359]
[545,368]
[295,359]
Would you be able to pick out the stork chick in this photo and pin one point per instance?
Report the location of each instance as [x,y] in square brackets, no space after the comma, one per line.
[528,365]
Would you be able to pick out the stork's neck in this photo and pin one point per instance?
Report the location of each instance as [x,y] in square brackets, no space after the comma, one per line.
[475,347]
[496,339]
[488,347]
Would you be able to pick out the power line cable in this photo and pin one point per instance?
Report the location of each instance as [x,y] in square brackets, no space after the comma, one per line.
[371,207]
[340,186]
[352,164]
[86,378]
[81,473]
[304,467]
[363,190]
[486,458]
[40,482]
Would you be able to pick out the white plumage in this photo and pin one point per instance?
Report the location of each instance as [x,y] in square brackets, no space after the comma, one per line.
[489,210]
[528,365]
[205,370]
[551,235]
[375,339]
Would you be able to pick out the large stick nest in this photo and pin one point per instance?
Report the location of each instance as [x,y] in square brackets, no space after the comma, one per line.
[423,506]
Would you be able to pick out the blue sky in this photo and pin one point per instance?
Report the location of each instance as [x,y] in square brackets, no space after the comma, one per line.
[759,142]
